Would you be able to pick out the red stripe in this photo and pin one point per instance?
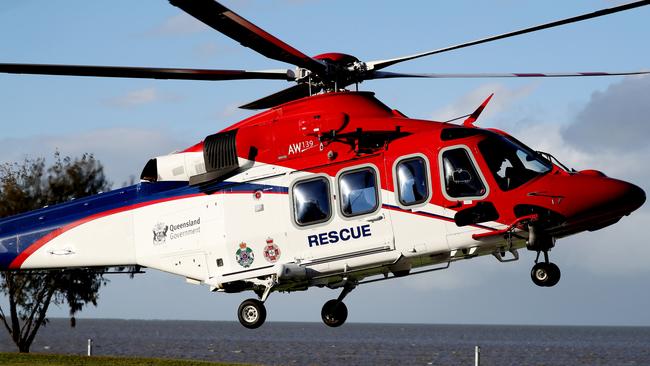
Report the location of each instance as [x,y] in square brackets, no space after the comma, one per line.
[419,213]
[434,216]
[22,256]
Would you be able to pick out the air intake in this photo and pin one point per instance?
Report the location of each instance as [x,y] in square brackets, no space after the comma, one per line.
[220,156]
[220,151]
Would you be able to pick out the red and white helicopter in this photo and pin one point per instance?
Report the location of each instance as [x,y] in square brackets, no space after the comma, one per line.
[327,187]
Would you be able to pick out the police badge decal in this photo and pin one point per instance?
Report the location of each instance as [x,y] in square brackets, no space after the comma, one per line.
[271,251]
[244,255]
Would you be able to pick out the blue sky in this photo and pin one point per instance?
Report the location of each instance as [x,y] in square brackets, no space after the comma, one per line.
[125,122]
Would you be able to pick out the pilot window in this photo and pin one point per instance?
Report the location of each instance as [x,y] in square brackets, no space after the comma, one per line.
[512,164]
[412,186]
[358,192]
[461,177]
[311,201]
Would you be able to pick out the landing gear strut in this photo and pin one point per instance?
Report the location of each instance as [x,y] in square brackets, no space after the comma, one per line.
[334,312]
[543,274]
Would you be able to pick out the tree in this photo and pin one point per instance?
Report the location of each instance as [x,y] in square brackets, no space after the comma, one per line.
[28,186]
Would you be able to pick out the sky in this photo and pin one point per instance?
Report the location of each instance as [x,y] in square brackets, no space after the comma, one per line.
[588,123]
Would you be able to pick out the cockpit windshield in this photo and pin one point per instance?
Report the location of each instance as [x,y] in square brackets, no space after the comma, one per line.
[511,163]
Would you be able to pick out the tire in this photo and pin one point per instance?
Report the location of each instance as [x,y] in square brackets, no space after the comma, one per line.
[541,274]
[555,273]
[251,313]
[334,313]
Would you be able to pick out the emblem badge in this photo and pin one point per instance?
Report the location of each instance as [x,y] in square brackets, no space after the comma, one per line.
[271,251]
[244,255]
[160,233]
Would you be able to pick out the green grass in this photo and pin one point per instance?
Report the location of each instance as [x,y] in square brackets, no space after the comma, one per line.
[28,359]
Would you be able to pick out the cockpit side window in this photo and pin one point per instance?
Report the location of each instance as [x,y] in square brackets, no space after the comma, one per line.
[311,201]
[512,164]
[412,181]
[461,178]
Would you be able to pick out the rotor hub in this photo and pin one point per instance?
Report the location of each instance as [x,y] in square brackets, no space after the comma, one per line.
[341,70]
[337,58]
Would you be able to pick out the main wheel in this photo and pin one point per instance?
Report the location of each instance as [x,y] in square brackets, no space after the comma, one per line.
[334,313]
[251,313]
[545,274]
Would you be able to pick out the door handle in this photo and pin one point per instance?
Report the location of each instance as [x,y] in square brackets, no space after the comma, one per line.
[375,219]
[66,251]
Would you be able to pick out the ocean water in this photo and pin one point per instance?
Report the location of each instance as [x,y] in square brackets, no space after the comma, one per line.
[278,343]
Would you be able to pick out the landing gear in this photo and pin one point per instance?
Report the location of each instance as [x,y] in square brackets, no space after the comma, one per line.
[545,274]
[251,313]
[334,312]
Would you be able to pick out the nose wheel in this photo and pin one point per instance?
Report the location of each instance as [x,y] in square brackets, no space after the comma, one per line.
[545,274]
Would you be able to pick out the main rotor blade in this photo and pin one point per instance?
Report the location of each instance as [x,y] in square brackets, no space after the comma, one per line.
[248,34]
[391,75]
[145,72]
[295,92]
[380,64]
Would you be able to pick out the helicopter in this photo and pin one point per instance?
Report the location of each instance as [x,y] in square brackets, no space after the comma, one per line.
[326,187]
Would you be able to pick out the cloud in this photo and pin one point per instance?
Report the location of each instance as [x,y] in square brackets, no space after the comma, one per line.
[122,151]
[619,250]
[140,97]
[610,134]
[617,119]
[178,25]
[503,98]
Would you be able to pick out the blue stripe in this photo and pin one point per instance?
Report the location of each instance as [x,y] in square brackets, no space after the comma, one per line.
[20,231]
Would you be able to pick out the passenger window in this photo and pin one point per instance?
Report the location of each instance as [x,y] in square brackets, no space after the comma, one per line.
[461,176]
[358,192]
[412,186]
[311,201]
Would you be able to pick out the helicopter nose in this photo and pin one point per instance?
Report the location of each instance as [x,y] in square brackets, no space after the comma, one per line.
[617,197]
[621,199]
[632,197]
[594,202]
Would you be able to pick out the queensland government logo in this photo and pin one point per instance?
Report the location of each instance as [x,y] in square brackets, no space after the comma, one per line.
[244,255]
[160,233]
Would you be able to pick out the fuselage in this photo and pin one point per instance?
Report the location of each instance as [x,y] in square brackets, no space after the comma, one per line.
[317,191]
